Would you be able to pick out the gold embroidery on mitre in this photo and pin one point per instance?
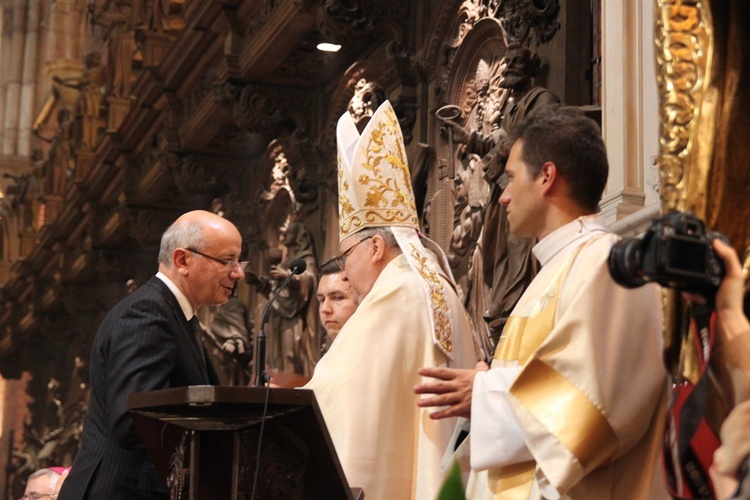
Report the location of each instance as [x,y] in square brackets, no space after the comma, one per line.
[347,224]
[375,190]
[437,298]
[345,206]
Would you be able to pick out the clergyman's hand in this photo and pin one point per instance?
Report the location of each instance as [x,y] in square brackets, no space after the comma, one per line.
[452,389]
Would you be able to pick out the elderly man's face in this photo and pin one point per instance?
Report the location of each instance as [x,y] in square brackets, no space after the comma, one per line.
[337,302]
[211,282]
[357,264]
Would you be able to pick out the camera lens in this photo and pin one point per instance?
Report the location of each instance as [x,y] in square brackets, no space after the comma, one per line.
[626,263]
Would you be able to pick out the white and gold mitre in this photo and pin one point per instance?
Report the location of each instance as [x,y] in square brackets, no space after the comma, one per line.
[374,179]
[375,191]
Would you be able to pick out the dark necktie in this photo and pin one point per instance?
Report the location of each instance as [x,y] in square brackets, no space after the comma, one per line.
[195,325]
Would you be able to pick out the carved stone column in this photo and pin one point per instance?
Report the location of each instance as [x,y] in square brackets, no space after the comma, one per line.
[29,81]
[5,55]
[626,117]
[14,68]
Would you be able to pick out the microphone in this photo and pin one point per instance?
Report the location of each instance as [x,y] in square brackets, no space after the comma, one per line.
[297,266]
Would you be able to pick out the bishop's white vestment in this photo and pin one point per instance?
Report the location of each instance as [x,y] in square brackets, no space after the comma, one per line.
[365,387]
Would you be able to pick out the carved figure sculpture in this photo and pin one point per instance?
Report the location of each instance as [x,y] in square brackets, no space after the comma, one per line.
[279,173]
[91,98]
[155,15]
[61,163]
[226,330]
[292,328]
[91,88]
[506,261]
[121,46]
[368,96]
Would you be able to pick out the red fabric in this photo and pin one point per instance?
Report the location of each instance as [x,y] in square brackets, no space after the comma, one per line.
[689,442]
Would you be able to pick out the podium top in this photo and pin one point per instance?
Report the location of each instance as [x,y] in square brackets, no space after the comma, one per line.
[218,394]
[199,405]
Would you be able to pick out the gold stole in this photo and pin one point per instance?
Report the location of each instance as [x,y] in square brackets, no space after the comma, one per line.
[540,387]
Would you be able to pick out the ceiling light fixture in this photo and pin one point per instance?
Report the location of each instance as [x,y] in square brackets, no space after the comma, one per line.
[328,47]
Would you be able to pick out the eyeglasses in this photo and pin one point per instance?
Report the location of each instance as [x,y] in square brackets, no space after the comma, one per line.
[341,258]
[231,265]
[38,496]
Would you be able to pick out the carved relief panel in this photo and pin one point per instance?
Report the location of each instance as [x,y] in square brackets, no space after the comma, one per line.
[488,86]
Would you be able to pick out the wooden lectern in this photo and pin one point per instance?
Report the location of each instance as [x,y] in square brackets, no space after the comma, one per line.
[204,442]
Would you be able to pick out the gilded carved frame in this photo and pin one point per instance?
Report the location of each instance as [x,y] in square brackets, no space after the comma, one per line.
[702,56]
[685,48]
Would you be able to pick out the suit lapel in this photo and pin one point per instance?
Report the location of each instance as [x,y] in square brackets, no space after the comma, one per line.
[186,329]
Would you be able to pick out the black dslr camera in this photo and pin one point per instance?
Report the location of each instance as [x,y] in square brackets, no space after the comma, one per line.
[675,252]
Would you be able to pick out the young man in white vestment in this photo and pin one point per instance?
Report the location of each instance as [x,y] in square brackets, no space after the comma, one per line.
[409,316]
[574,403]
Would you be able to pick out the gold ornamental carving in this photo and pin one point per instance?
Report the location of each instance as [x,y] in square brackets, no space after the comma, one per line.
[688,102]
[684,49]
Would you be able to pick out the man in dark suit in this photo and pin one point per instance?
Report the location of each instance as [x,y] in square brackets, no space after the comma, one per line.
[147,342]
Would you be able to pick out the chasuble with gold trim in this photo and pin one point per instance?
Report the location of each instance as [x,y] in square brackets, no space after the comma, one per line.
[574,404]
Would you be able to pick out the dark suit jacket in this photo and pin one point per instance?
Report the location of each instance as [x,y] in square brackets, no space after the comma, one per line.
[144,344]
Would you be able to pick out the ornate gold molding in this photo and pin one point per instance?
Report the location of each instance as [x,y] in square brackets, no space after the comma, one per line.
[689,102]
[687,116]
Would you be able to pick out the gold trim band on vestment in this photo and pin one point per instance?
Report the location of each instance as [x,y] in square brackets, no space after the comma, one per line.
[512,481]
[547,394]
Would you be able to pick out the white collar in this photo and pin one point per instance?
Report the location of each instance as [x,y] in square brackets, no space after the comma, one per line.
[187,309]
[568,236]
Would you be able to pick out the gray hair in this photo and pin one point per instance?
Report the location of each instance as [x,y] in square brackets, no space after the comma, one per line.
[187,234]
[53,476]
[385,232]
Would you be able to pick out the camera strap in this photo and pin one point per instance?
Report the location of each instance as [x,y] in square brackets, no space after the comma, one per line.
[689,441]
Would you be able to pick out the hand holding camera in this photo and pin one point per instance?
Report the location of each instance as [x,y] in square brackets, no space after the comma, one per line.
[729,297]
[731,461]
[676,252]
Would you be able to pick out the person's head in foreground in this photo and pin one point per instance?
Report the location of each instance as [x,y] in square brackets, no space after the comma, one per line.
[41,484]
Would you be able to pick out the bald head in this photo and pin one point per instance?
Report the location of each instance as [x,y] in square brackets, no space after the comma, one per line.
[193,230]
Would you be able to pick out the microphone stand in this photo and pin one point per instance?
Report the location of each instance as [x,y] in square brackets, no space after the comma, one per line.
[260,347]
